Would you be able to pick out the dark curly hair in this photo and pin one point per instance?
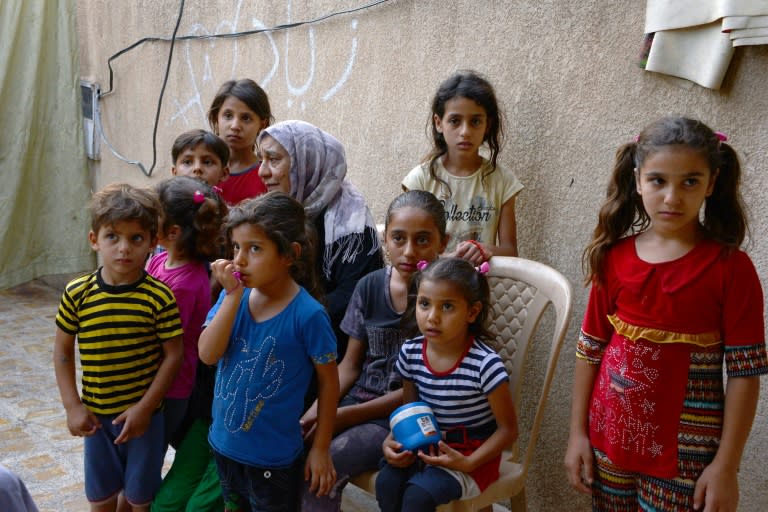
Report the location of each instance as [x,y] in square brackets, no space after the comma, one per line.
[283,220]
[119,202]
[200,220]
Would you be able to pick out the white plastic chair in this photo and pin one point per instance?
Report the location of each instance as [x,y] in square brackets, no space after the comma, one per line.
[521,290]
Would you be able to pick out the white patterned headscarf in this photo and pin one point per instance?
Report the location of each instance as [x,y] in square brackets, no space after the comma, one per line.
[318,169]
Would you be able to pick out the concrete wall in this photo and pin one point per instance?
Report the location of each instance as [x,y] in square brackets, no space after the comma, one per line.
[566,74]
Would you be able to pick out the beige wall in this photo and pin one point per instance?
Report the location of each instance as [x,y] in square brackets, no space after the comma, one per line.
[565,72]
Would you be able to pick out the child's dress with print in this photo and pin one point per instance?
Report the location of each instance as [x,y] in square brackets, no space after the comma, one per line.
[660,332]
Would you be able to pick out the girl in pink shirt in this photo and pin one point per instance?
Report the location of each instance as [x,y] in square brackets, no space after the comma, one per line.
[189,227]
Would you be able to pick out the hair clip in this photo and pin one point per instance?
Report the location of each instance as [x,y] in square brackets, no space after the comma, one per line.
[198,197]
[422,265]
[721,136]
[217,189]
[636,139]
[483,268]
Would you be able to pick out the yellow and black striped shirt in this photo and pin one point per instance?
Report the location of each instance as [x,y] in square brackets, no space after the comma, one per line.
[119,331]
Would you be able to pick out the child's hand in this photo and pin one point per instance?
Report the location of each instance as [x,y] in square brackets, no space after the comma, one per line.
[446,457]
[470,252]
[135,422]
[717,489]
[579,463]
[395,455]
[319,467]
[81,422]
[223,272]
[308,424]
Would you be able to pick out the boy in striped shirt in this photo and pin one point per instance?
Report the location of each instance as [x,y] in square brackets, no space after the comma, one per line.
[128,334]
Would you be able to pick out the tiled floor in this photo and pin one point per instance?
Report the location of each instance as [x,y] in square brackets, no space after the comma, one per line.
[34,441]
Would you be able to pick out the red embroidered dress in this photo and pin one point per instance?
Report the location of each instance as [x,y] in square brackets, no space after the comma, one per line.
[660,333]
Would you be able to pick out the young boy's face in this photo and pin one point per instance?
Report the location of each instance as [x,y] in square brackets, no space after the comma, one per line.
[201,163]
[124,248]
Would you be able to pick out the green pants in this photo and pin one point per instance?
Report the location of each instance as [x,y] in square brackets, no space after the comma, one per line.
[192,484]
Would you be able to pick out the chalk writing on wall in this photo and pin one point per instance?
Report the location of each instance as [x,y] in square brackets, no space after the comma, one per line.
[208,63]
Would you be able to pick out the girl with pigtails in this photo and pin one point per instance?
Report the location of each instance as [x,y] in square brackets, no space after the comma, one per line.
[190,222]
[673,298]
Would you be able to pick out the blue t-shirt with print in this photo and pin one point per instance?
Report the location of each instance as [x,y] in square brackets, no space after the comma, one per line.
[262,378]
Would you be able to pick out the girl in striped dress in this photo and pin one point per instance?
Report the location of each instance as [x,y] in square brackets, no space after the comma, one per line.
[672,299]
[465,383]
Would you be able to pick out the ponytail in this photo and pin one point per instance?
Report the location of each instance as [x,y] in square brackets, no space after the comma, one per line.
[724,214]
[622,213]
[199,212]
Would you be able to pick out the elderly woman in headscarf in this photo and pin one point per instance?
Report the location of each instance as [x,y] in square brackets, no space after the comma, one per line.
[310,165]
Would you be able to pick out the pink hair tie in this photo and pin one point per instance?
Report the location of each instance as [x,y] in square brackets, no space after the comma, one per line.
[483,268]
[217,189]
[721,136]
[198,197]
[636,139]
[422,265]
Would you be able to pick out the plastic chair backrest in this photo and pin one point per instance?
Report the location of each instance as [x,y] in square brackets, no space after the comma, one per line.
[521,292]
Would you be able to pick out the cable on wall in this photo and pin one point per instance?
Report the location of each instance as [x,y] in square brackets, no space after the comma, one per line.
[173,40]
[148,173]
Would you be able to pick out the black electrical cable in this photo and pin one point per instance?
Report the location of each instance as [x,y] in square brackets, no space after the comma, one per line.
[162,90]
[173,40]
[276,28]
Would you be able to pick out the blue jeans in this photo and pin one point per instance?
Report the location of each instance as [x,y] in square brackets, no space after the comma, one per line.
[254,489]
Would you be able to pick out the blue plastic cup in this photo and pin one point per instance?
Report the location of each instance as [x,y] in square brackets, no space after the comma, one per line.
[414,426]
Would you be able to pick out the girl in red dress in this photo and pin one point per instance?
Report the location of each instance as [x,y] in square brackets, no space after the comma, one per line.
[672,299]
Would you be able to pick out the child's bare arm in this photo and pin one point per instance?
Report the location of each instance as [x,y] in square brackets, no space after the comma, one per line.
[215,337]
[578,456]
[80,420]
[500,400]
[319,466]
[379,407]
[717,488]
[349,371]
[137,417]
